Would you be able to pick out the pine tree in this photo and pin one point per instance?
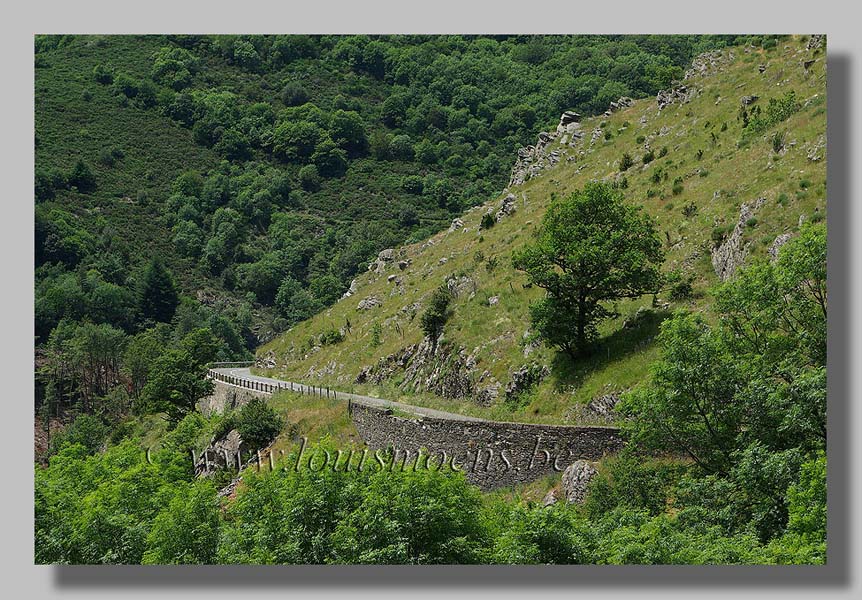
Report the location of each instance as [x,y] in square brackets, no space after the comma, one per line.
[158,293]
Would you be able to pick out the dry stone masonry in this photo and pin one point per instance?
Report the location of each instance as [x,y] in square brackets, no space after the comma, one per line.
[492,454]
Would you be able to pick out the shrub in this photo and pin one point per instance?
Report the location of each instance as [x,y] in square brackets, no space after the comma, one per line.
[804,184]
[663,152]
[309,178]
[437,313]
[679,285]
[258,424]
[752,222]
[103,74]
[609,134]
[720,233]
[778,141]
[689,210]
[626,162]
[677,189]
[648,157]
[85,430]
[640,139]
[330,337]
[376,334]
[487,221]
[699,154]
[782,199]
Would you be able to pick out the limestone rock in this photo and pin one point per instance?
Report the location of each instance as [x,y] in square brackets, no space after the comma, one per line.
[456,224]
[550,498]
[576,479]
[524,378]
[369,302]
[603,406]
[730,255]
[507,207]
[493,300]
[225,453]
[776,245]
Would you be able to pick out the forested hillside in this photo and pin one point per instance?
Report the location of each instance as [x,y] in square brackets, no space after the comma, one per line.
[266,171]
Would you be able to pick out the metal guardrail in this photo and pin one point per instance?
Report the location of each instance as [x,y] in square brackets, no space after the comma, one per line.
[271,388]
[221,365]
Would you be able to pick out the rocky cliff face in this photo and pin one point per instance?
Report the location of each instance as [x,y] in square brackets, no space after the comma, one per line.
[730,255]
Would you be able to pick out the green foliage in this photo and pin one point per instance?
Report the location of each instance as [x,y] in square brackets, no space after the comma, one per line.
[177,378]
[751,380]
[487,221]
[294,94]
[158,293]
[258,424]
[86,430]
[582,267]
[626,161]
[437,312]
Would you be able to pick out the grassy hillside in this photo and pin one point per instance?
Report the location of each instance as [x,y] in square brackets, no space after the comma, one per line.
[704,167]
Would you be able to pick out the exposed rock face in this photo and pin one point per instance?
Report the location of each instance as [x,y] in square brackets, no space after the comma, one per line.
[225,453]
[493,300]
[369,302]
[456,225]
[267,361]
[708,62]
[550,498]
[524,378]
[815,41]
[679,94]
[458,286]
[777,243]
[507,207]
[730,255]
[748,100]
[623,102]
[576,479]
[603,406]
[815,151]
[351,290]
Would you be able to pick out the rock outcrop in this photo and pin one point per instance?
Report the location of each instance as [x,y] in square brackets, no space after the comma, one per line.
[576,481]
[730,255]
[225,453]
[525,377]
[777,243]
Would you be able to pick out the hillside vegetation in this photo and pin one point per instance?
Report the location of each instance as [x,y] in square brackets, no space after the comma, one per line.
[694,164]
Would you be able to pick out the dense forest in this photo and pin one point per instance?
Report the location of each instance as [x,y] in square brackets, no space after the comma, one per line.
[197,196]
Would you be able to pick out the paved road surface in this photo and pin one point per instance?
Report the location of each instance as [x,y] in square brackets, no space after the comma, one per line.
[245,373]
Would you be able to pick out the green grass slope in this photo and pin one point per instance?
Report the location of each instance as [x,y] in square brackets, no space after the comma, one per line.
[694,191]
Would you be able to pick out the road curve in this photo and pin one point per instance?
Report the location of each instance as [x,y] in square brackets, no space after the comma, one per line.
[245,373]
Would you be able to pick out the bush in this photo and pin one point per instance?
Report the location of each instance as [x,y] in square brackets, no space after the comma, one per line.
[294,94]
[752,222]
[663,152]
[437,313]
[720,233]
[85,430]
[679,285]
[626,162]
[258,424]
[487,221]
[103,75]
[689,210]
[309,178]
[331,337]
[640,139]
[648,157]
[677,189]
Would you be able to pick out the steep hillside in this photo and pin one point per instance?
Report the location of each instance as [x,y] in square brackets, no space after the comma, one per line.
[729,163]
[253,165]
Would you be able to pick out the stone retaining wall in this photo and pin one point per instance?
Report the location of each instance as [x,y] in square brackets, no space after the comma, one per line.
[227,396]
[493,454]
